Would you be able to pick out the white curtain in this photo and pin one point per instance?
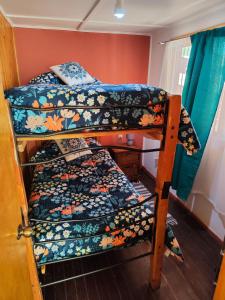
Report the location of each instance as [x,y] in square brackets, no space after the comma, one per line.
[210,179]
[174,66]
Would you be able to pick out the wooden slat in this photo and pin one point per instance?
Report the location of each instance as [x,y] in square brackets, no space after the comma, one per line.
[149,133]
[220,287]
[164,173]
[21,146]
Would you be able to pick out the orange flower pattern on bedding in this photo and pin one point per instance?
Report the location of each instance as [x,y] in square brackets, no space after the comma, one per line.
[46,105]
[76,118]
[54,124]
[118,241]
[65,192]
[147,120]
[35,104]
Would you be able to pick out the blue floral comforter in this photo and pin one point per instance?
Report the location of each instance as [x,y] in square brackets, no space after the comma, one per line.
[89,116]
[67,195]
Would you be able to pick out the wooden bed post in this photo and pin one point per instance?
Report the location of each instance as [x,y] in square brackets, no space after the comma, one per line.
[164,173]
[219,293]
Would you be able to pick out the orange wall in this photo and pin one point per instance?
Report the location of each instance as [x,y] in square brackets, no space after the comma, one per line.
[112,58]
[114,140]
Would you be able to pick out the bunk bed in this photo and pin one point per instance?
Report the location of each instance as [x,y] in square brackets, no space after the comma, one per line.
[164,128]
[46,112]
[17,259]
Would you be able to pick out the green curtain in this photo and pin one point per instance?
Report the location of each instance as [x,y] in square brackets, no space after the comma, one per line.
[202,89]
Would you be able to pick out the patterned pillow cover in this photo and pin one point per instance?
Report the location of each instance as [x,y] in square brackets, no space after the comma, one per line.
[68,145]
[73,74]
[96,81]
[47,77]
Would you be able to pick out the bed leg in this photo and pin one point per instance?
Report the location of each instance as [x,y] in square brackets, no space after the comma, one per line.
[158,248]
[164,174]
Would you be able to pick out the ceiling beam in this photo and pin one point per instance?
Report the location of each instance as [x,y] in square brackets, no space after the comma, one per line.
[88,14]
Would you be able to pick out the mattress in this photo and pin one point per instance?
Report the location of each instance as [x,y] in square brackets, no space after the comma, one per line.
[86,206]
[44,109]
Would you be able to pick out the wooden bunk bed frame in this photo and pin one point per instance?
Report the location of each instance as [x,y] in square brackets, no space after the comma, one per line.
[19,262]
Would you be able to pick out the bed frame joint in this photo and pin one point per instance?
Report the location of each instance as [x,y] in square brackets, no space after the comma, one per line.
[21,145]
[166,189]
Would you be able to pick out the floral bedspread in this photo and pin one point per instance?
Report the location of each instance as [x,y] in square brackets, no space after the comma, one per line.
[152,113]
[87,187]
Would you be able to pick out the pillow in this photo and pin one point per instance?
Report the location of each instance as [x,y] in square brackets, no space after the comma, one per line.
[72,73]
[69,145]
[47,77]
[96,81]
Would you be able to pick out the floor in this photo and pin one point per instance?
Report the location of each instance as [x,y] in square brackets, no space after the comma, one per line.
[191,280]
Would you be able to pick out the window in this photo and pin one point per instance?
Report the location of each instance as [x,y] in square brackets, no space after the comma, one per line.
[186,52]
[174,65]
[181,79]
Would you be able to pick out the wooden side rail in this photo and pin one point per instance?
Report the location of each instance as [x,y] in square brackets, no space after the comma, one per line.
[152,133]
[164,174]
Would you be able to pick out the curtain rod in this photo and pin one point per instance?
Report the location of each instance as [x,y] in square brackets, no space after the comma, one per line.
[191,33]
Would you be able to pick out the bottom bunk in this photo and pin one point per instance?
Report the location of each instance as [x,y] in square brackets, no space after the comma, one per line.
[85,206]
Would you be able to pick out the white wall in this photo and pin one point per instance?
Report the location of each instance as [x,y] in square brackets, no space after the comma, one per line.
[195,23]
[150,160]
[201,207]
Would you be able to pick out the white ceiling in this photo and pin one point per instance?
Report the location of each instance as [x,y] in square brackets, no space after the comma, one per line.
[142,16]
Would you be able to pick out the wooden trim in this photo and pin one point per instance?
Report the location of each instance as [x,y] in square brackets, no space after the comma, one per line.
[220,286]
[8,65]
[154,133]
[16,59]
[21,146]
[18,267]
[164,174]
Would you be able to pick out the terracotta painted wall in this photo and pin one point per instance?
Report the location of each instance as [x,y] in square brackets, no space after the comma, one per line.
[115,140]
[112,58]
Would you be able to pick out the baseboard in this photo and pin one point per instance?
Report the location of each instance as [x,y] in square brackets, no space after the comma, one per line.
[180,203]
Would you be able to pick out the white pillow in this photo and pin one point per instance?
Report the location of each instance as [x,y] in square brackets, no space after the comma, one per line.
[69,145]
[72,73]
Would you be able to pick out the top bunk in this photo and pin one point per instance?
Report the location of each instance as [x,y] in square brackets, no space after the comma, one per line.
[56,111]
